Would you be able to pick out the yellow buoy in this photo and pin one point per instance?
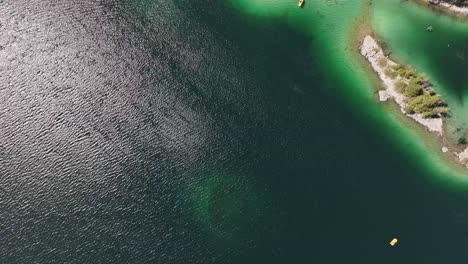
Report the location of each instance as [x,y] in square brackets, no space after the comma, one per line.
[301,3]
[393,242]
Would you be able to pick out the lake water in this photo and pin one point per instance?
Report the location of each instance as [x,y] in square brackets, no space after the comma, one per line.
[144,131]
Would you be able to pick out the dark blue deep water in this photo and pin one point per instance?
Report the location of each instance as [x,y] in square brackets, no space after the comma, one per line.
[159,131]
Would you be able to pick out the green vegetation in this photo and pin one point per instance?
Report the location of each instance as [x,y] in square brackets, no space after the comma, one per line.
[410,73]
[401,72]
[390,73]
[382,62]
[421,98]
[420,79]
[430,91]
[406,72]
[427,105]
[396,67]
[413,90]
[400,86]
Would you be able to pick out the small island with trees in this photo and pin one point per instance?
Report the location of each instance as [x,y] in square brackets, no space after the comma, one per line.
[411,90]
[420,95]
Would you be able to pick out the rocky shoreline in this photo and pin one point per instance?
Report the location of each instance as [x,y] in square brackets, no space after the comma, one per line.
[458,9]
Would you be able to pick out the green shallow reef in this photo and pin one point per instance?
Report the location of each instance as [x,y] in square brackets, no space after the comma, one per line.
[231,208]
[334,26]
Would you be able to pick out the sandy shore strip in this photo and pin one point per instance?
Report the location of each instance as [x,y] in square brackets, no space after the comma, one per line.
[459,9]
[373,53]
